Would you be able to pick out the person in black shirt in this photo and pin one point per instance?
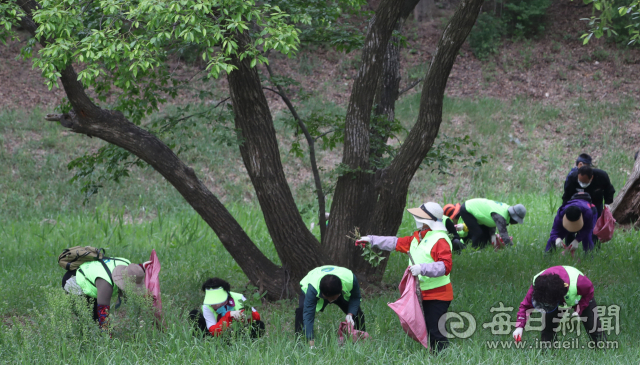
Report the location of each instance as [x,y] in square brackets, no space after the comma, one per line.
[593,181]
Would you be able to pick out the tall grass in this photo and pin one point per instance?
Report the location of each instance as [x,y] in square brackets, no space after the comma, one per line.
[37,328]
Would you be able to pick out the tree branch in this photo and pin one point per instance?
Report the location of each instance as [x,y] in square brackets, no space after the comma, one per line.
[411,86]
[322,219]
[112,127]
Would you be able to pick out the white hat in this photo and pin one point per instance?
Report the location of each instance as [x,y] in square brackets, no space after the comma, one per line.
[429,213]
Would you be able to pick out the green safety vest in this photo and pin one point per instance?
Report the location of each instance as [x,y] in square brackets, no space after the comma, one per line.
[90,271]
[481,209]
[572,298]
[314,276]
[421,253]
[462,234]
[237,298]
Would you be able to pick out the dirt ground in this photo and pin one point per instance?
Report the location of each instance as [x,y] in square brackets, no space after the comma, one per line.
[554,67]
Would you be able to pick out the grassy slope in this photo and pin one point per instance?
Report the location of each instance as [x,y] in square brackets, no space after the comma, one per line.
[43,214]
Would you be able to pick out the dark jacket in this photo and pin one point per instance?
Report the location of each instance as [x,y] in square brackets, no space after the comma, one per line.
[600,189]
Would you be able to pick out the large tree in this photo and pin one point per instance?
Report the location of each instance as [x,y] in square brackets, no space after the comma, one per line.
[118,46]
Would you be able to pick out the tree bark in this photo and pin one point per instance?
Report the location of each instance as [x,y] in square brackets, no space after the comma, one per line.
[350,202]
[626,206]
[393,184]
[112,127]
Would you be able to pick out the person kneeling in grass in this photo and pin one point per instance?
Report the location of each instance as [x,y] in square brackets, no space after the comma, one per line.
[430,248]
[555,290]
[325,285]
[95,280]
[574,223]
[220,308]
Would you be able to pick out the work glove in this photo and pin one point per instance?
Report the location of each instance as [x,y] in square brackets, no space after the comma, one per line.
[559,242]
[362,242]
[416,270]
[350,321]
[237,315]
[517,334]
[574,244]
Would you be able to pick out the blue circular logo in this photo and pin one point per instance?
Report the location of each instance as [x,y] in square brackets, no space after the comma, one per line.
[327,269]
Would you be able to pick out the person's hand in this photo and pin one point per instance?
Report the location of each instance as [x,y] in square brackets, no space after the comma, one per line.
[574,244]
[415,270]
[238,315]
[517,334]
[559,242]
[362,242]
[349,320]
[459,227]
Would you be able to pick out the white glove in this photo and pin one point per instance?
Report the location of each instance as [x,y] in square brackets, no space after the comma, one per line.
[350,321]
[559,242]
[416,270]
[517,334]
[574,244]
[459,227]
[239,315]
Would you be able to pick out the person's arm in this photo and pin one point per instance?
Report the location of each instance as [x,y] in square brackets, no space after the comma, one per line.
[557,231]
[221,325]
[309,311]
[355,298]
[441,254]
[404,243]
[103,301]
[525,306]
[384,243]
[451,228]
[609,190]
[501,226]
[585,289]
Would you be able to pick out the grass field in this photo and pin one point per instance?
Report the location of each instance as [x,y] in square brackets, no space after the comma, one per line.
[42,214]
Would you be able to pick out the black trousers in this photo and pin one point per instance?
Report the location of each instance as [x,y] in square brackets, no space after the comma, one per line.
[358,317]
[592,325]
[433,310]
[91,302]
[200,325]
[479,235]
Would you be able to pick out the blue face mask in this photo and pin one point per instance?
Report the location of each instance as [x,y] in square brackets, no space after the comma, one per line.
[222,310]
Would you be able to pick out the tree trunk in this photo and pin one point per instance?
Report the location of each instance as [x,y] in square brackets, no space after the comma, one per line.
[350,202]
[626,206]
[112,127]
[393,184]
[297,247]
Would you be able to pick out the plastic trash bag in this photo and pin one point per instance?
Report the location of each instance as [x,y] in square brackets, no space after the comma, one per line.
[152,281]
[409,310]
[347,330]
[605,226]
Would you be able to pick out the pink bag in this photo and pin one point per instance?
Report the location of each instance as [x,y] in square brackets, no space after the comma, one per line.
[605,226]
[346,328]
[151,280]
[409,311]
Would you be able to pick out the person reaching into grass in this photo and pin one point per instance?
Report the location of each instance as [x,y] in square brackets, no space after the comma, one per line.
[96,279]
[430,248]
[326,285]
[483,216]
[455,226]
[574,224]
[220,308]
[555,290]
